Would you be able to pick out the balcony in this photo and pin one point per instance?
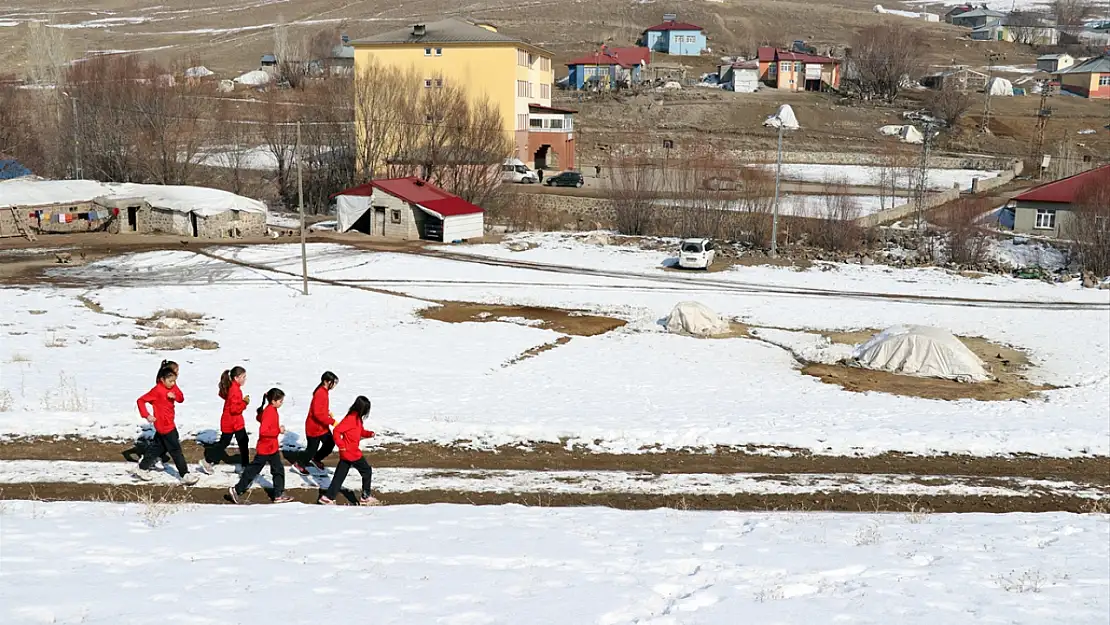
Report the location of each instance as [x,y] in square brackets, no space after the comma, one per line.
[548,119]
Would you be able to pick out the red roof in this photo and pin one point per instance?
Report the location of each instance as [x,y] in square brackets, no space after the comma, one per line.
[539,108]
[1063,191]
[634,56]
[675,26]
[768,54]
[599,58]
[416,191]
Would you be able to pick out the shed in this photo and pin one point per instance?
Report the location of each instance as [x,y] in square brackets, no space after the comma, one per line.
[741,77]
[1054,62]
[408,208]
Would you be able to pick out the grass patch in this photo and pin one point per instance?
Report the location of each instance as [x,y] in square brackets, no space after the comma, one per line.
[18,357]
[174,343]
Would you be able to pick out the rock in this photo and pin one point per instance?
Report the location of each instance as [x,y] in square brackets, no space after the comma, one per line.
[1089,281]
[867,261]
[63,258]
[1105,286]
[597,238]
[519,246]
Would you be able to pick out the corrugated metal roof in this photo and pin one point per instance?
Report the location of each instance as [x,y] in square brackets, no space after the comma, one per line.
[979,13]
[1064,191]
[675,26]
[1100,64]
[450,30]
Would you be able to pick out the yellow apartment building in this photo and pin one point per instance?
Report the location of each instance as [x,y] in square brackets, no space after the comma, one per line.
[516,76]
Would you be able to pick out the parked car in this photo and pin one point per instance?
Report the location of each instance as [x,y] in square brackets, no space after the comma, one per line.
[518,173]
[565,179]
[696,254]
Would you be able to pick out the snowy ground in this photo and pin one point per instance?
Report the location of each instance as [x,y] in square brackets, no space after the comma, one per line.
[817,205]
[867,175]
[76,367]
[462,565]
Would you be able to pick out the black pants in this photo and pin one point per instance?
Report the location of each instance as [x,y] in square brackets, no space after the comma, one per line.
[341,470]
[218,452]
[251,471]
[319,447]
[168,443]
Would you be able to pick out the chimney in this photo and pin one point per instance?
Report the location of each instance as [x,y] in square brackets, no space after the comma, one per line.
[670,17]
[345,39]
[419,30]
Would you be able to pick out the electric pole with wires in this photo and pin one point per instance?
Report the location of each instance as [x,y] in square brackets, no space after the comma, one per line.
[1043,114]
[991,58]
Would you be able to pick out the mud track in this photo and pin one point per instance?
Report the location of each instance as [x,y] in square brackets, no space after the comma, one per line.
[555,457]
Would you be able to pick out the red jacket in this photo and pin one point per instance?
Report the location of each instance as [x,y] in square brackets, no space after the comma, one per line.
[268,432]
[319,415]
[232,418]
[348,434]
[159,400]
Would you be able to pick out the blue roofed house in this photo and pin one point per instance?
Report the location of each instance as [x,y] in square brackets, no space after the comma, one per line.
[674,37]
[608,68]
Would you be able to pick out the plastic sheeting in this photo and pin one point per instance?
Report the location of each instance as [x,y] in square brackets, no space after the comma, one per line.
[1001,86]
[921,351]
[348,210]
[697,319]
[783,117]
[34,191]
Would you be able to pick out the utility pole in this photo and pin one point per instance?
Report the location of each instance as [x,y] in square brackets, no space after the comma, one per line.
[775,207]
[1043,113]
[76,141]
[922,185]
[300,204]
[991,58]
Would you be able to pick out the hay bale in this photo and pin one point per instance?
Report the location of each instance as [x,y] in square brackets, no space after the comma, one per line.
[696,319]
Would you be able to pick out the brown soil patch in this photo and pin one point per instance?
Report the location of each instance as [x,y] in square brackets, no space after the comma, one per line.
[557,457]
[839,502]
[565,321]
[1006,364]
[539,349]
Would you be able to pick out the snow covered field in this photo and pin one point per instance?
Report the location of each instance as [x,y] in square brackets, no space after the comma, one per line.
[461,565]
[74,366]
[867,175]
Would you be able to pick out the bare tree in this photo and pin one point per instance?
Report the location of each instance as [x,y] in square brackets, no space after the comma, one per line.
[948,103]
[832,224]
[172,127]
[46,54]
[967,239]
[633,191]
[279,136]
[328,142]
[881,56]
[1088,225]
[1071,14]
[1028,28]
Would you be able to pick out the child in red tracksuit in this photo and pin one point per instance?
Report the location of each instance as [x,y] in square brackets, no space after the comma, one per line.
[231,421]
[166,439]
[317,427]
[268,450]
[348,434]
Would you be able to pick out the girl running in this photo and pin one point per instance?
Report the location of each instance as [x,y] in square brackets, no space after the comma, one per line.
[166,440]
[176,371]
[348,434]
[231,421]
[316,427]
[268,451]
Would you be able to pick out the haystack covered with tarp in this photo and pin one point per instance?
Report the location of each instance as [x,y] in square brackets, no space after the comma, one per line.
[920,351]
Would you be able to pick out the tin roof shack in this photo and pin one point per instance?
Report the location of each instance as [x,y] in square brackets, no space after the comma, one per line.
[55,206]
[410,209]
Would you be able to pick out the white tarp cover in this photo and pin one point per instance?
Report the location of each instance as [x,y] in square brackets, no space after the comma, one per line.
[910,134]
[921,351]
[255,78]
[348,210]
[697,319]
[784,117]
[34,191]
[199,71]
[892,131]
[1001,86]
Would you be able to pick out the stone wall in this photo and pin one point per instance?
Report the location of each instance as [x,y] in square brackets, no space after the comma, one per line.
[47,224]
[902,211]
[940,161]
[581,213]
[231,224]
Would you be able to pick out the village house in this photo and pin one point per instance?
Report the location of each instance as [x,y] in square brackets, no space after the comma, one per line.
[1052,63]
[1047,209]
[608,68]
[675,38]
[956,11]
[976,18]
[1090,79]
[960,78]
[409,209]
[796,71]
[741,76]
[514,75]
[1012,28]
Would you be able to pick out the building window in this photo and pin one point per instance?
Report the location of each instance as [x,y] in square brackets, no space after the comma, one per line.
[797,66]
[773,69]
[439,51]
[1104,80]
[535,123]
[784,66]
[522,121]
[427,52]
[1046,219]
[523,89]
[545,92]
[556,123]
[427,83]
[395,216]
[545,64]
[439,83]
[522,58]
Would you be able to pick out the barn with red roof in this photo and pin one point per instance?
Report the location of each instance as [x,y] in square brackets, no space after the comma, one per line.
[408,208]
[1046,209]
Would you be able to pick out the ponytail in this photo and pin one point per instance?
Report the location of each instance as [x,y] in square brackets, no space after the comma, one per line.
[270,397]
[226,377]
[166,364]
[328,378]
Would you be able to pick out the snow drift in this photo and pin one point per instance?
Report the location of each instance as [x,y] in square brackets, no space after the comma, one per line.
[697,319]
[920,351]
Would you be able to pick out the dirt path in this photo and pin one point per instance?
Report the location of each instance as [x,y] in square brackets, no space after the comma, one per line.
[556,457]
[919,507]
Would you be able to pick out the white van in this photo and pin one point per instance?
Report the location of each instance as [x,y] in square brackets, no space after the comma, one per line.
[697,254]
[514,170]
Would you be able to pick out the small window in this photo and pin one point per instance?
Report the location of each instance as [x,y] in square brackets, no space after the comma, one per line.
[1104,80]
[1046,219]
[797,66]
[439,51]
[556,123]
[784,66]
[535,123]
[427,83]
[395,216]
[439,83]
[427,52]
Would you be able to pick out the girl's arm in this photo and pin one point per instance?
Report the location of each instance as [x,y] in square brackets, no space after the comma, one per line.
[235,402]
[148,398]
[321,413]
[269,425]
[367,433]
[178,396]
